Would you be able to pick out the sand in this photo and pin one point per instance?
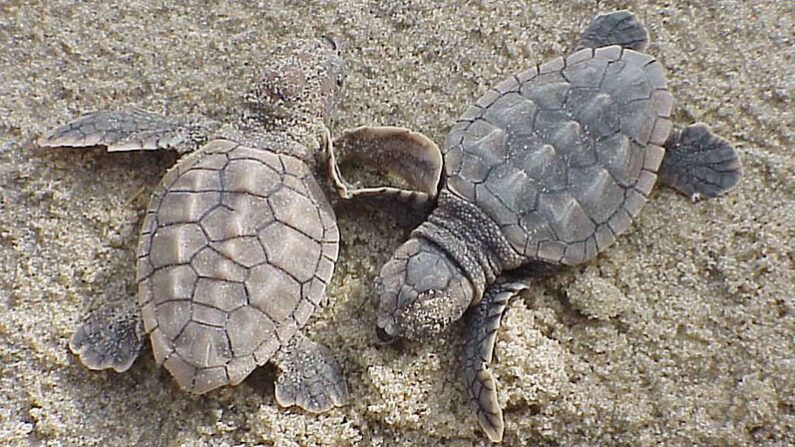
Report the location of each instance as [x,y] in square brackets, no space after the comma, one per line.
[680,334]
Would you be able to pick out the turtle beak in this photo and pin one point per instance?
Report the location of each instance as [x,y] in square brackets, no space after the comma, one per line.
[386,330]
[383,335]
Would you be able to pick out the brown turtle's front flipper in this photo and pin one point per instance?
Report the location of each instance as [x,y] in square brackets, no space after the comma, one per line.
[391,162]
[109,337]
[309,376]
[132,130]
[615,28]
[484,320]
[699,163]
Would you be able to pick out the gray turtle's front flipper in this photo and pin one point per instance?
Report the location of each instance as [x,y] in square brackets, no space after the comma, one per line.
[309,376]
[699,163]
[615,28]
[403,165]
[109,337]
[484,320]
[132,130]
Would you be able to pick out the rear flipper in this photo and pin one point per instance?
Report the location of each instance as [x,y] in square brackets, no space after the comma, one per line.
[309,376]
[484,320]
[132,130]
[615,28]
[109,337]
[699,163]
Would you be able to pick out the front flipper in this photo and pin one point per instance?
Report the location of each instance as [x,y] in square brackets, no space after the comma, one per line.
[484,320]
[132,130]
[615,28]
[309,376]
[699,163]
[393,163]
[109,337]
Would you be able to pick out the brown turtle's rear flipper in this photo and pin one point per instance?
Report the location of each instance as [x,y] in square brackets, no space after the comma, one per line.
[309,376]
[615,28]
[109,337]
[699,163]
[484,320]
[131,130]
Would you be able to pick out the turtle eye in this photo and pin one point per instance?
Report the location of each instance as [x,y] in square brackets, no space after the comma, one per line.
[378,290]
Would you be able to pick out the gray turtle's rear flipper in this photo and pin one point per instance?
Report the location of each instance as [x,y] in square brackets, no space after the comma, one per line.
[109,337]
[393,164]
[615,28]
[484,320]
[309,376]
[699,163]
[131,130]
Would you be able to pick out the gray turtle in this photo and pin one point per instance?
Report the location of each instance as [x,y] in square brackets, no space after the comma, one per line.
[239,241]
[544,171]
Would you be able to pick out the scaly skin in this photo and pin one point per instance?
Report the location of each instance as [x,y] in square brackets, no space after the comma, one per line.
[238,242]
[546,169]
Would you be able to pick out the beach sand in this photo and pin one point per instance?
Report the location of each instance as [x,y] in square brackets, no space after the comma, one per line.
[683,333]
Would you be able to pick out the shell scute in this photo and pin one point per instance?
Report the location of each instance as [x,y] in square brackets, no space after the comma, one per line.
[565,165]
[232,251]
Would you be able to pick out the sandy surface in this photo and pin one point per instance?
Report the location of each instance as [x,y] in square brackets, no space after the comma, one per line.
[681,334]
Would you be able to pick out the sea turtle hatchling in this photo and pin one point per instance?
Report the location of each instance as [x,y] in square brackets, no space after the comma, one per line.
[238,243]
[544,171]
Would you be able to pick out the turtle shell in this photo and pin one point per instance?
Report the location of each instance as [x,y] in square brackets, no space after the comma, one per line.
[235,252]
[562,156]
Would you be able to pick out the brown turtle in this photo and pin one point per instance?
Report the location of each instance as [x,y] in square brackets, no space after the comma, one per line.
[545,170]
[238,243]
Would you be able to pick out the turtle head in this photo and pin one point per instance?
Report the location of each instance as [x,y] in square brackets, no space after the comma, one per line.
[298,82]
[420,291]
